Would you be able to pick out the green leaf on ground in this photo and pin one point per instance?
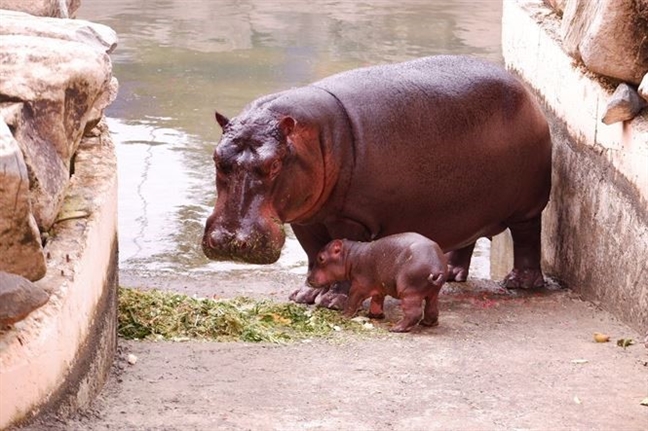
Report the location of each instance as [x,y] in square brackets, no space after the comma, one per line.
[156,314]
[625,342]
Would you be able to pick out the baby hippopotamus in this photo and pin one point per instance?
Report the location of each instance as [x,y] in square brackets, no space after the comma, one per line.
[407,266]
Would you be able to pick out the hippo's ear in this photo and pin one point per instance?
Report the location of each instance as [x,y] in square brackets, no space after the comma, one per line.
[221,119]
[286,125]
[336,247]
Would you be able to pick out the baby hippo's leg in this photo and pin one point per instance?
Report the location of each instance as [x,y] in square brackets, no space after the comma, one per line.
[411,306]
[376,306]
[431,310]
[356,296]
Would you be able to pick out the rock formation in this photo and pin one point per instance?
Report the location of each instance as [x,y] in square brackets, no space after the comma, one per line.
[55,82]
[20,242]
[624,105]
[53,8]
[18,298]
[609,36]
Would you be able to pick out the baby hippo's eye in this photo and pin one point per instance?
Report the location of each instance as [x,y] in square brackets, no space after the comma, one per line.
[320,258]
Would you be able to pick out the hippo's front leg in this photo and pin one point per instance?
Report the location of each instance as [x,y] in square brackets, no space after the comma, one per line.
[357,294]
[376,306]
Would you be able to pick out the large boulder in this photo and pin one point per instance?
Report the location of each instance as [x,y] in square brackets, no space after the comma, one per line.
[609,36]
[53,8]
[58,80]
[21,250]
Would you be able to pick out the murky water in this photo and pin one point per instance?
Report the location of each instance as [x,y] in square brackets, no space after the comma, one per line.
[178,60]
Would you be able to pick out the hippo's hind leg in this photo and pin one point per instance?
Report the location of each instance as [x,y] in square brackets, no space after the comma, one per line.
[431,309]
[411,306]
[526,271]
[459,263]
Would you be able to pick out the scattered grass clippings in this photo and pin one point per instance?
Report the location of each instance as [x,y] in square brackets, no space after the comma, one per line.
[156,314]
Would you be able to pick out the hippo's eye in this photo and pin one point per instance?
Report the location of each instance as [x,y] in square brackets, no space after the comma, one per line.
[320,259]
[222,168]
[270,169]
[274,168]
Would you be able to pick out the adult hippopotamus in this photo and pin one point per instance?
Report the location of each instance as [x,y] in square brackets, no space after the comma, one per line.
[451,147]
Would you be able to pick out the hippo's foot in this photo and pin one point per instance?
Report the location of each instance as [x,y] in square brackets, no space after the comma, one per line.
[523,279]
[305,295]
[459,262]
[376,307]
[457,273]
[430,321]
[402,326]
[332,299]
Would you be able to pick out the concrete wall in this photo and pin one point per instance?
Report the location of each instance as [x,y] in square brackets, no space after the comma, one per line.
[58,358]
[595,228]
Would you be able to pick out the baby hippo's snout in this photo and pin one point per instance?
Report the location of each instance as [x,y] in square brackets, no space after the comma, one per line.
[318,278]
[328,266]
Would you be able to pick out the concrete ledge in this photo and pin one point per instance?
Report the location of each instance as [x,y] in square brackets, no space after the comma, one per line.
[595,228]
[58,358]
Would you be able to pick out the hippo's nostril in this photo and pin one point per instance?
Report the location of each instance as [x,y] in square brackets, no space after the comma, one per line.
[212,240]
[218,238]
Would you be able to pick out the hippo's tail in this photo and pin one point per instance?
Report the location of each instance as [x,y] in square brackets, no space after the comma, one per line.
[438,278]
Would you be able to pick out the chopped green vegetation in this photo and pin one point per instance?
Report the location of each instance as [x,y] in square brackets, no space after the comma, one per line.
[155,314]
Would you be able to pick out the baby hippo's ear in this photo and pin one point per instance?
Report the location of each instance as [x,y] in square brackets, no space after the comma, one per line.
[336,247]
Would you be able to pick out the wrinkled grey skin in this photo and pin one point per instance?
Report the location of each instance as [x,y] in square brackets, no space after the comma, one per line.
[407,266]
[451,147]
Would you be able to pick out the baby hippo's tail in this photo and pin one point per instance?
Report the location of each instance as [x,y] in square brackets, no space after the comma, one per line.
[437,278]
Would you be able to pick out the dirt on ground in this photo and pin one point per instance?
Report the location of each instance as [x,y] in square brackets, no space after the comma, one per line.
[497,361]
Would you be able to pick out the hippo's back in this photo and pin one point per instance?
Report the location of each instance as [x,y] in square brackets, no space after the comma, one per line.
[434,75]
[435,95]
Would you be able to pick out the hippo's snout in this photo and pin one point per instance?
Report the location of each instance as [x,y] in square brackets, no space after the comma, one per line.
[317,279]
[258,245]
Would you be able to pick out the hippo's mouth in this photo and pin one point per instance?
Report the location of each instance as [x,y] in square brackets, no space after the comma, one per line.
[233,252]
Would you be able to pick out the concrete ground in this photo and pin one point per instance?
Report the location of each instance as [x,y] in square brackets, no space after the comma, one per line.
[496,362]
